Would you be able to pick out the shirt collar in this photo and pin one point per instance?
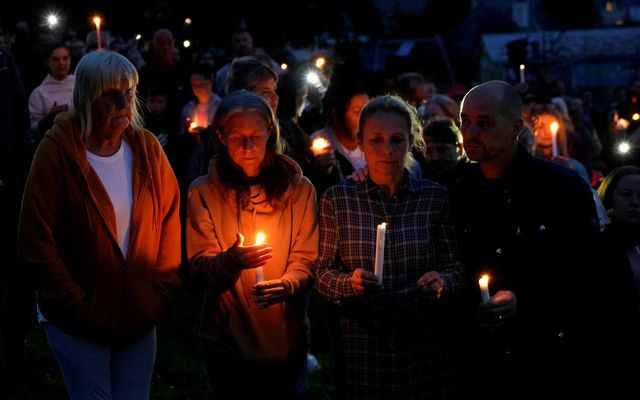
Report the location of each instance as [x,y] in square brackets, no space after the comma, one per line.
[410,185]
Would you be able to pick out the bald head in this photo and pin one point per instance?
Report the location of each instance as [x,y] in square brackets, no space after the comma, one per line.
[491,120]
[162,34]
[162,45]
[500,93]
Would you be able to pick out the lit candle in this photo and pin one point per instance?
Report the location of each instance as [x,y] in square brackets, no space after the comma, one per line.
[260,238]
[635,116]
[522,73]
[96,20]
[554,138]
[484,288]
[319,146]
[379,262]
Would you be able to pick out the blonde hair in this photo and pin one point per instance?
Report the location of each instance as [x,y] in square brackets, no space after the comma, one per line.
[395,104]
[98,72]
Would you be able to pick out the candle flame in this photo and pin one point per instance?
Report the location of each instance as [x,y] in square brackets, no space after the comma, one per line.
[635,116]
[193,125]
[484,281]
[622,123]
[320,61]
[319,145]
[97,20]
[521,67]
[554,127]
[260,238]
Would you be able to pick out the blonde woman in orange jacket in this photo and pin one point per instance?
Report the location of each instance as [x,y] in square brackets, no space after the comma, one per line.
[100,233]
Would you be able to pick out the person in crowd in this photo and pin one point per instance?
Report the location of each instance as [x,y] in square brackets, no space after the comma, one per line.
[242,46]
[17,297]
[528,224]
[253,333]
[444,159]
[197,115]
[545,120]
[415,89]
[99,233]
[341,105]
[441,106]
[392,330]
[292,92]
[163,68]
[53,95]
[253,74]
[156,120]
[29,50]
[207,55]
[620,193]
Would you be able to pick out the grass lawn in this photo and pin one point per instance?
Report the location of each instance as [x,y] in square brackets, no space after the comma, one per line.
[178,374]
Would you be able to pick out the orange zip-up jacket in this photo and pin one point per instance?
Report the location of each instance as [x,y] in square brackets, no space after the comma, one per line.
[67,238]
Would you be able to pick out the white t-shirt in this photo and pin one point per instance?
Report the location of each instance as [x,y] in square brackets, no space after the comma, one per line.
[115,172]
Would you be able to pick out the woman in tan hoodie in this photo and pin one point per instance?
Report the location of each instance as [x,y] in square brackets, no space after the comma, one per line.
[253,331]
[100,234]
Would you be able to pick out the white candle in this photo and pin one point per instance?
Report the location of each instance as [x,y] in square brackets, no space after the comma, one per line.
[319,146]
[260,238]
[484,288]
[96,20]
[554,138]
[379,262]
[522,80]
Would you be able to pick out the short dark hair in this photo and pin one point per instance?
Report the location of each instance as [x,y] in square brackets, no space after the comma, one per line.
[443,130]
[246,72]
[204,70]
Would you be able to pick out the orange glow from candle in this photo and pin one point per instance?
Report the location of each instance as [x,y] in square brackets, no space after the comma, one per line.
[319,145]
[97,21]
[484,288]
[260,238]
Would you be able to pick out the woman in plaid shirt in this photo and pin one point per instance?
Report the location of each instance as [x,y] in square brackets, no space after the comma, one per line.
[391,336]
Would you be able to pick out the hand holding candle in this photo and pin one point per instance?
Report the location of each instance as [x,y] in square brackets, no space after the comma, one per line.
[250,256]
[381,232]
[484,288]
[554,138]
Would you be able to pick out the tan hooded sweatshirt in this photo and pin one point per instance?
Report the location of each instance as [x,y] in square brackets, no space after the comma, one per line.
[67,238]
[231,321]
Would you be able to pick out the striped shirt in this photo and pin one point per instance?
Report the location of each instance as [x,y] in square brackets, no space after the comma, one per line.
[391,344]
